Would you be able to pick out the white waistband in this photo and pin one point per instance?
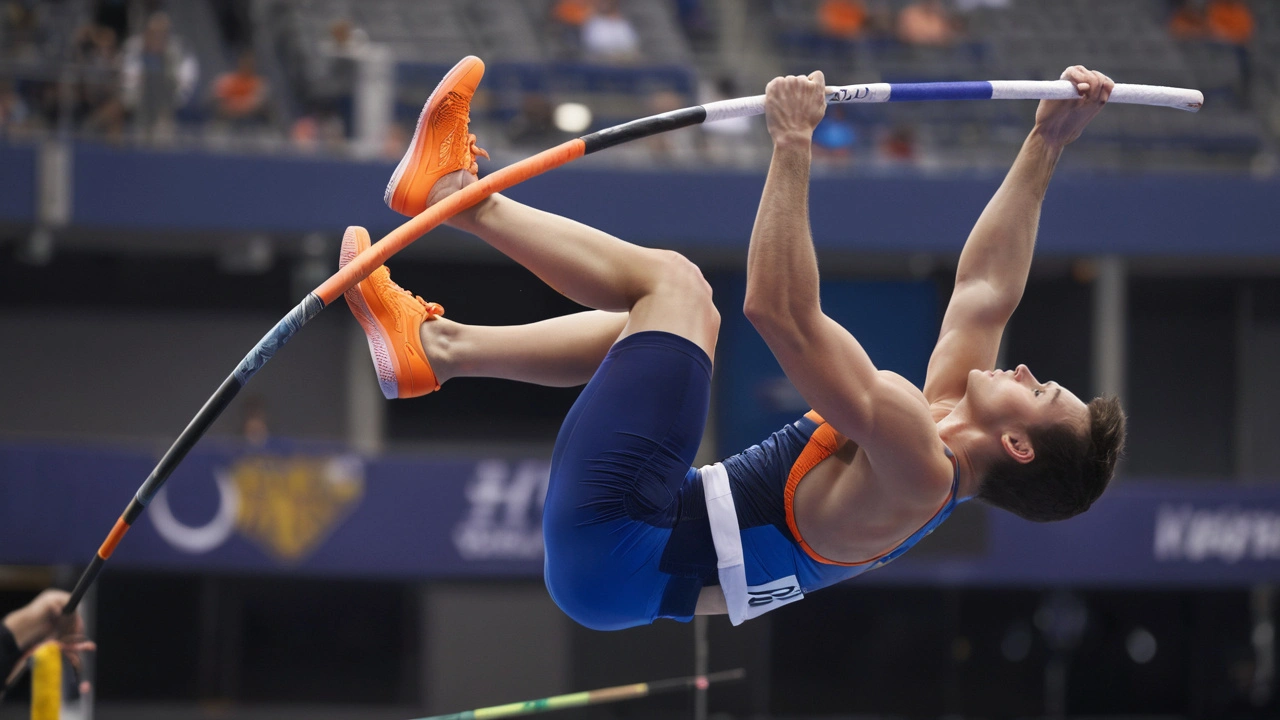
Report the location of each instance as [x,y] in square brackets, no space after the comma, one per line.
[743,602]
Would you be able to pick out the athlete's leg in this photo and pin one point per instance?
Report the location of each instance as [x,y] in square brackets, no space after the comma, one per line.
[624,450]
[560,352]
[660,289]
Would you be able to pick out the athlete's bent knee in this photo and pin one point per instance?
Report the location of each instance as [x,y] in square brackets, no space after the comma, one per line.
[684,279]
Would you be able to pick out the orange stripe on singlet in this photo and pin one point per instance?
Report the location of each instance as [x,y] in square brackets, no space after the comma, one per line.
[824,441]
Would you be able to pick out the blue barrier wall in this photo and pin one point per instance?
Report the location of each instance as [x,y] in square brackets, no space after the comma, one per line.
[17,183]
[199,191]
[1084,214]
[309,510]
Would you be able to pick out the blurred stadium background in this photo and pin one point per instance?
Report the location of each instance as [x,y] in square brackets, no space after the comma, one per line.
[175,175]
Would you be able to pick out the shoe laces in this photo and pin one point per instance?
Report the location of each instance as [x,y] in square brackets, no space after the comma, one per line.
[454,114]
[384,278]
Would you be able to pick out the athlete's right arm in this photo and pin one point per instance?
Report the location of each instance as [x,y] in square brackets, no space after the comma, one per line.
[996,259]
[882,413]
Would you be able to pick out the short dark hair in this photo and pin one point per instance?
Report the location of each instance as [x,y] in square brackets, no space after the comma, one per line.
[1070,469]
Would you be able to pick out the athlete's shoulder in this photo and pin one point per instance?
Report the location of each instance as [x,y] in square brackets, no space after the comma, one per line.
[906,385]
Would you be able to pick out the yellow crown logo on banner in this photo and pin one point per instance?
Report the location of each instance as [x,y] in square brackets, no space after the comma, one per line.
[290,505]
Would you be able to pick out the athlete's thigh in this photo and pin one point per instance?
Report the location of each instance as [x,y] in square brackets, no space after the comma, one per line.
[626,445]
[620,460]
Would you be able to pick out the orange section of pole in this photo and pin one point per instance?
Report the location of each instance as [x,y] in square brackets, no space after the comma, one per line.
[113,539]
[416,227]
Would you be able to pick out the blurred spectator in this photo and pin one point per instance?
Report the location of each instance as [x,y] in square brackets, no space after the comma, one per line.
[253,427]
[13,111]
[834,138]
[697,26]
[1229,21]
[841,19]
[926,22]
[159,76]
[567,18]
[345,40]
[839,24]
[1187,20]
[304,134]
[241,95]
[899,145]
[608,35]
[880,22]
[318,128]
[573,13]
[535,128]
[19,32]
[344,49]
[96,54]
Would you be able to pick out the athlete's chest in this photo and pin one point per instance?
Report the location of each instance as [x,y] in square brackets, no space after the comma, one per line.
[844,512]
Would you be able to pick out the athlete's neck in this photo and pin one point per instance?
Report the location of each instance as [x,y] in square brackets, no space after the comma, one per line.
[968,442]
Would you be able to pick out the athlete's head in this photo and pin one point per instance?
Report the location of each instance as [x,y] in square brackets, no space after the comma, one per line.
[1057,453]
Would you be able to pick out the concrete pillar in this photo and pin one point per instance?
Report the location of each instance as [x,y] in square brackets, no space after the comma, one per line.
[1247,379]
[375,95]
[1110,334]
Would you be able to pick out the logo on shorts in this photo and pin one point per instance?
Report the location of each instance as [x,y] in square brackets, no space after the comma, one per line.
[763,598]
[505,518]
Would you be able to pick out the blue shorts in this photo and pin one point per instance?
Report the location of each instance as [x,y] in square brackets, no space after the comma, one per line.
[618,483]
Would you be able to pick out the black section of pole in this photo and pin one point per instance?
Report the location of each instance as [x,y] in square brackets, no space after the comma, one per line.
[643,127]
[135,509]
[85,582]
[187,440]
[196,429]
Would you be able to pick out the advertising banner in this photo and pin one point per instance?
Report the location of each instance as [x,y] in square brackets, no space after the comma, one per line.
[321,511]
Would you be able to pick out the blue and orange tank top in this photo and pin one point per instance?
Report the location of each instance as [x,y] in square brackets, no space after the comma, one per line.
[763,561]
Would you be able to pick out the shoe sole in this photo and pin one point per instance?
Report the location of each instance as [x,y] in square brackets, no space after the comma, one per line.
[355,241]
[409,163]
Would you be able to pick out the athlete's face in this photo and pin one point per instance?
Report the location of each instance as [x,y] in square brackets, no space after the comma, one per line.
[1015,400]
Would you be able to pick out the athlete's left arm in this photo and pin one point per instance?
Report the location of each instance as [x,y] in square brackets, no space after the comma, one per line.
[996,259]
[878,410]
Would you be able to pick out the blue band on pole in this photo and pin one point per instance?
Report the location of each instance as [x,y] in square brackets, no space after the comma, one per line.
[279,335]
[977,90]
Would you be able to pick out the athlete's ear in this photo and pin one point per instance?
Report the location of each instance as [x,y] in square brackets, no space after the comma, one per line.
[1018,446]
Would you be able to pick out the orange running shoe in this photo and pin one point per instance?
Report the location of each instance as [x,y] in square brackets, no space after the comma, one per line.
[441,143]
[390,316]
